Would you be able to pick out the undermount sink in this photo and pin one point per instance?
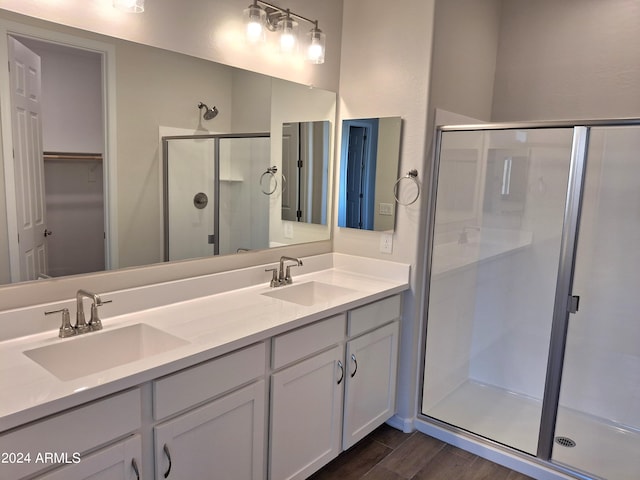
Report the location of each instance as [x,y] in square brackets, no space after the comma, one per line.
[95,352]
[308,293]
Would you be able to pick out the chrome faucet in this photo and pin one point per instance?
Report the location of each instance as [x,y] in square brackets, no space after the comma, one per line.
[81,326]
[280,275]
[94,321]
[285,278]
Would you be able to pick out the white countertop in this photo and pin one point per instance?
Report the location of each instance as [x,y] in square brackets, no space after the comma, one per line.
[212,325]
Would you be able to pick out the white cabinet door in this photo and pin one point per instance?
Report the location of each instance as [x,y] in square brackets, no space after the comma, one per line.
[306,415]
[222,440]
[370,389]
[120,461]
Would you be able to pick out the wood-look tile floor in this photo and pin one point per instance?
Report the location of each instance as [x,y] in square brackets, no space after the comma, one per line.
[388,454]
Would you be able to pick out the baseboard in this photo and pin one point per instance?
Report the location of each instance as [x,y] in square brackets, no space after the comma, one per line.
[405,425]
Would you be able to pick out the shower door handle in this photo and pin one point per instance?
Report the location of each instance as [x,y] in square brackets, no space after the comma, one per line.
[574,303]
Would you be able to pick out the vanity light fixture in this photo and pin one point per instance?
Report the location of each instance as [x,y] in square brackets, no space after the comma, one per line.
[132,6]
[261,16]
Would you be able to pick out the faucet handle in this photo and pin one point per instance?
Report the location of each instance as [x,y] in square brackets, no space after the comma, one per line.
[66,330]
[94,322]
[288,279]
[275,281]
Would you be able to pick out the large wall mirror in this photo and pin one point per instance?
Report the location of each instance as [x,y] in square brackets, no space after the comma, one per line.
[105,105]
[370,152]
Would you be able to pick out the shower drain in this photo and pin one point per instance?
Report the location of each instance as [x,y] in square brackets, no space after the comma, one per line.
[565,442]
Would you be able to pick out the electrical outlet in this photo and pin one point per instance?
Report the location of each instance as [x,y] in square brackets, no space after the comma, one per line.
[386,243]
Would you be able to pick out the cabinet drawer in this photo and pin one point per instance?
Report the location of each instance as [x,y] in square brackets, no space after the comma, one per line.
[307,340]
[77,430]
[373,315]
[184,389]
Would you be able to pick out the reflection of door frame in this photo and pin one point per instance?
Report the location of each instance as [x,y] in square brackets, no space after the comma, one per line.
[109,122]
[369,172]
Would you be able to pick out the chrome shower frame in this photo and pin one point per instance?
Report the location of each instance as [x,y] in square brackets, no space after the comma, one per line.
[495,451]
[165,181]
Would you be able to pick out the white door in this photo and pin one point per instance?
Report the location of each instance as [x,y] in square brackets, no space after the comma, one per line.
[26,120]
[306,415]
[117,462]
[370,390]
[221,440]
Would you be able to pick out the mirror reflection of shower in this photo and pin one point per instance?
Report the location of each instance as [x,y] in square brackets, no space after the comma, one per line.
[212,201]
[209,113]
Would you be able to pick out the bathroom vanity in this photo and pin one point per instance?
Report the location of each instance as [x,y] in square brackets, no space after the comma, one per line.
[249,382]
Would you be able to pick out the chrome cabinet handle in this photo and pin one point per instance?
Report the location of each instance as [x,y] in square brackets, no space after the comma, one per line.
[134,465]
[353,358]
[166,452]
[341,372]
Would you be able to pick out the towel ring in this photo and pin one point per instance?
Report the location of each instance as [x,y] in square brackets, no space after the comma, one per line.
[413,176]
[271,171]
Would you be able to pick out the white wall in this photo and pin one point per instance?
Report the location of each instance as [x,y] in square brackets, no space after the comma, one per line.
[389,130]
[465,41]
[573,59]
[75,215]
[71,98]
[386,56]
[202,28]
[5,268]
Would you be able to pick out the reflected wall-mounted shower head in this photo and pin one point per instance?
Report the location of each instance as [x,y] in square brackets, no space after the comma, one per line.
[209,113]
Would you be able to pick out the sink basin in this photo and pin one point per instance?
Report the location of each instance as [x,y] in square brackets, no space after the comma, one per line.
[308,293]
[98,351]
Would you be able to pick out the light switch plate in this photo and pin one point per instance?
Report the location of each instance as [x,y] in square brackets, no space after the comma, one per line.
[288,230]
[386,243]
[386,209]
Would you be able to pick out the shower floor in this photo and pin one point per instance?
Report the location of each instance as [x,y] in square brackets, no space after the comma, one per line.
[602,449]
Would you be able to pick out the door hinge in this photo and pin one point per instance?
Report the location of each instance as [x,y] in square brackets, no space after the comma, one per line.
[574,303]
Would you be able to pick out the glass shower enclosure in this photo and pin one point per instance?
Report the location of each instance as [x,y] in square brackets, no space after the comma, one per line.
[214,198]
[533,332]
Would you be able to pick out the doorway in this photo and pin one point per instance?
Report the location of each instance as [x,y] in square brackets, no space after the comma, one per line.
[361,145]
[71,149]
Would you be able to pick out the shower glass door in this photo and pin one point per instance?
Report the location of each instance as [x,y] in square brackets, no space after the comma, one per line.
[190,197]
[598,421]
[499,209]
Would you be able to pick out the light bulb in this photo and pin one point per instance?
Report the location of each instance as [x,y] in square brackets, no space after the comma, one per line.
[288,35]
[254,18]
[315,52]
[132,6]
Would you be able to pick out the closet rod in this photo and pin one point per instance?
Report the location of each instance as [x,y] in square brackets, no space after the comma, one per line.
[71,156]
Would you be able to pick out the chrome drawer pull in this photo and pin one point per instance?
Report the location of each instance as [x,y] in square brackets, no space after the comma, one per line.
[166,452]
[134,465]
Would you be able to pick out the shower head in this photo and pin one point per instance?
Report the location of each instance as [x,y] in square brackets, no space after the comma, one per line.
[209,113]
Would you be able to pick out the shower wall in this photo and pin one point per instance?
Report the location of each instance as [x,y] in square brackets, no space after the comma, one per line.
[601,374]
[244,209]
